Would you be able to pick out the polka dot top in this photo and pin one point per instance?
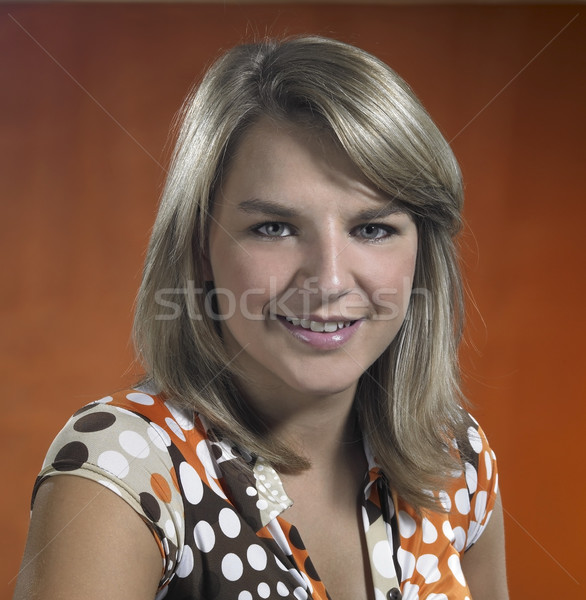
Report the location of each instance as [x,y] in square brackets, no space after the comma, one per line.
[222,530]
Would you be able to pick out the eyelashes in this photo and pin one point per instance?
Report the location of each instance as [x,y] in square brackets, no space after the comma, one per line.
[372,232]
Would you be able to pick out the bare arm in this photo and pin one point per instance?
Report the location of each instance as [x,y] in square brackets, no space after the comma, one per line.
[86,542]
[484,564]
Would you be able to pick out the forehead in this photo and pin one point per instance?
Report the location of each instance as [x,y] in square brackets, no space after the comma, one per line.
[273,157]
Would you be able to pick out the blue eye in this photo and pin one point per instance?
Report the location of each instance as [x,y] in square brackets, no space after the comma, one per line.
[273,229]
[372,231]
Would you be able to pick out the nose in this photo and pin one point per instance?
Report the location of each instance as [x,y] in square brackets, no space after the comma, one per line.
[327,269]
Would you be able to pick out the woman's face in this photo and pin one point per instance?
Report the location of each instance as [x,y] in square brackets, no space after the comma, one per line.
[313,268]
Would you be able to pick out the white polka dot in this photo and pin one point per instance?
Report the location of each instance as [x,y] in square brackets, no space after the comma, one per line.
[104,400]
[407,562]
[110,486]
[185,565]
[462,500]
[437,597]
[300,593]
[382,558]
[134,444]
[204,536]
[245,595]
[474,439]
[263,589]
[274,514]
[427,566]
[169,528]
[282,589]
[192,484]
[407,524]
[448,531]
[480,505]
[459,538]
[114,462]
[174,427]
[262,504]
[456,569]
[257,557]
[445,500]
[365,521]
[209,464]
[308,585]
[159,436]
[214,486]
[280,564]
[250,491]
[184,418]
[232,568]
[411,590]
[471,478]
[429,531]
[488,462]
[139,398]
[229,522]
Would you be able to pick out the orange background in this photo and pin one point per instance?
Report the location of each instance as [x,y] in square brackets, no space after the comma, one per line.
[87,95]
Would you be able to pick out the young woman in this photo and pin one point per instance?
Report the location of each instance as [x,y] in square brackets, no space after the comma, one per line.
[300,430]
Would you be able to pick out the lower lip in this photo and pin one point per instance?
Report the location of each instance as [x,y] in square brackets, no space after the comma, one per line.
[322,341]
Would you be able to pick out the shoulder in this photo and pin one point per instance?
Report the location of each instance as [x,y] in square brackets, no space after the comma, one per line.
[470,498]
[143,448]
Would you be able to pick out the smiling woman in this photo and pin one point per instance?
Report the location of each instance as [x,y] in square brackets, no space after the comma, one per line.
[300,430]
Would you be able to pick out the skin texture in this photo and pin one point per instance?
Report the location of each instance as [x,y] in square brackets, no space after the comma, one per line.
[484,564]
[288,223]
[290,215]
[86,542]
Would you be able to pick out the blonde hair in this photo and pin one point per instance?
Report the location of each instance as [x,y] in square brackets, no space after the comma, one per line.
[409,401]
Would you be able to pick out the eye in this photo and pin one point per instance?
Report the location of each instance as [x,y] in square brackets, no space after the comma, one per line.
[374,231]
[273,229]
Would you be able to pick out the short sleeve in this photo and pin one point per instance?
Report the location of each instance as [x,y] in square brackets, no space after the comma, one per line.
[126,453]
[481,477]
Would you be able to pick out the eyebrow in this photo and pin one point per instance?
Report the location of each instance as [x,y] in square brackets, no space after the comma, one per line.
[267,207]
[274,209]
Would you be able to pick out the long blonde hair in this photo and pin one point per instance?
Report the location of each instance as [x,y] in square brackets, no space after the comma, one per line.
[409,401]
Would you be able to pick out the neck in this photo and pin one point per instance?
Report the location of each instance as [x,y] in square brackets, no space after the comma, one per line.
[320,428]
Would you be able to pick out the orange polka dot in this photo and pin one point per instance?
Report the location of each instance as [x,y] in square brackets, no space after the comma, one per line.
[174,479]
[161,487]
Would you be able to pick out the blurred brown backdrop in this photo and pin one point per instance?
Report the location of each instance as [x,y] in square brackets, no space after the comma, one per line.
[87,95]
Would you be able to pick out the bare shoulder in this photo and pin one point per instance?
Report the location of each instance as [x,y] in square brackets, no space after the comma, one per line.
[86,542]
[484,564]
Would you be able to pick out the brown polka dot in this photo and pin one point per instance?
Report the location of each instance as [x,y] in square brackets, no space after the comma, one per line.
[150,506]
[71,457]
[161,487]
[295,539]
[94,422]
[310,569]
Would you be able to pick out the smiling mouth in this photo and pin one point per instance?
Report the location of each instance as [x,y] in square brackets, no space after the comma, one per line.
[319,326]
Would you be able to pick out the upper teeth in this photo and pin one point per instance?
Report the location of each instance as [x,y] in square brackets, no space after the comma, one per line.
[319,326]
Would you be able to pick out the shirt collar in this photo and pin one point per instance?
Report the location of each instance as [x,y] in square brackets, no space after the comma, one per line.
[256,489]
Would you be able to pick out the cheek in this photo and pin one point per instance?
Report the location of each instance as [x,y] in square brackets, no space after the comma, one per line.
[390,286]
[245,282]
